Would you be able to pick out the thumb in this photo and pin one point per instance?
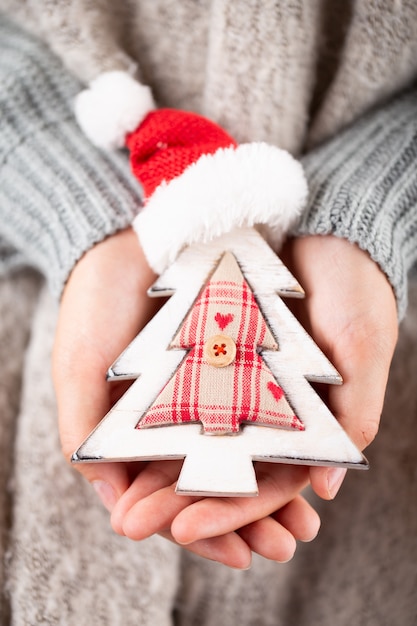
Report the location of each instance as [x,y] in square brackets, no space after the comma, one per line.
[83,399]
[103,306]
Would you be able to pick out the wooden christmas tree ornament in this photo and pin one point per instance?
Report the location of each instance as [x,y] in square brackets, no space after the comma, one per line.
[222,373]
[260,405]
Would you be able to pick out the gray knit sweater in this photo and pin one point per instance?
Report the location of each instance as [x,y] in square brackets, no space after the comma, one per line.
[335,87]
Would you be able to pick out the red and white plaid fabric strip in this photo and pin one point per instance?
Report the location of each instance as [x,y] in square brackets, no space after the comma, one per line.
[221,398]
[226,305]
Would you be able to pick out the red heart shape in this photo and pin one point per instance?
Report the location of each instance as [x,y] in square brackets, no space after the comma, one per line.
[223,320]
[275,390]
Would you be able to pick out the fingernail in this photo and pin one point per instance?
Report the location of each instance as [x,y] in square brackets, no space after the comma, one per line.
[335,478]
[106,494]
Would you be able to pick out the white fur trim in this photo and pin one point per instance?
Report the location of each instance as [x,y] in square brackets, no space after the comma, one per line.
[113,106]
[252,184]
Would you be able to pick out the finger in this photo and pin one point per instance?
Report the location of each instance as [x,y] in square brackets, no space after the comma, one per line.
[230,549]
[299,518]
[82,403]
[270,539]
[357,404]
[274,537]
[153,513]
[210,517]
[365,356]
[131,517]
[92,331]
[326,481]
[155,476]
[350,311]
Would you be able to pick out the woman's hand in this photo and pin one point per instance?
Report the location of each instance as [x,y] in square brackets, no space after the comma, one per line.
[350,311]
[104,306]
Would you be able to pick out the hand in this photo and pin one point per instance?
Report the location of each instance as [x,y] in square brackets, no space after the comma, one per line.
[350,311]
[104,305]
[223,529]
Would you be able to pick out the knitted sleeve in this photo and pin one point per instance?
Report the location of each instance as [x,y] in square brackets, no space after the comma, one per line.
[58,193]
[363,187]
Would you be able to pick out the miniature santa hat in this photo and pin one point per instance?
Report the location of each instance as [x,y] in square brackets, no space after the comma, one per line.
[198,182]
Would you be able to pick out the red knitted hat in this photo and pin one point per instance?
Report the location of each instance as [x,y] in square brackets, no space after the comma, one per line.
[199,183]
[168,141]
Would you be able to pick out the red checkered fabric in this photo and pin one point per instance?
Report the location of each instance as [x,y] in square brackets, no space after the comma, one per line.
[221,398]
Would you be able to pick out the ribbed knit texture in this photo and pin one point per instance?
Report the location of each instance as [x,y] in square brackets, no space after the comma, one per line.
[363,187]
[58,194]
[285,72]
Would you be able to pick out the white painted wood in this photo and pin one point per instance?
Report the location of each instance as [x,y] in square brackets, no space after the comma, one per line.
[264,271]
[222,465]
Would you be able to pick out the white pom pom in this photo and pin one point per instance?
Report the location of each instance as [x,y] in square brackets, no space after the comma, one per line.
[114,105]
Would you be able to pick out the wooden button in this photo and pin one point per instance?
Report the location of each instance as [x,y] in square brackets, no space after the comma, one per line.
[220,350]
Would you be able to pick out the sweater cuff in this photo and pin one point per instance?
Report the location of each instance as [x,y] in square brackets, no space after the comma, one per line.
[59,195]
[363,187]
